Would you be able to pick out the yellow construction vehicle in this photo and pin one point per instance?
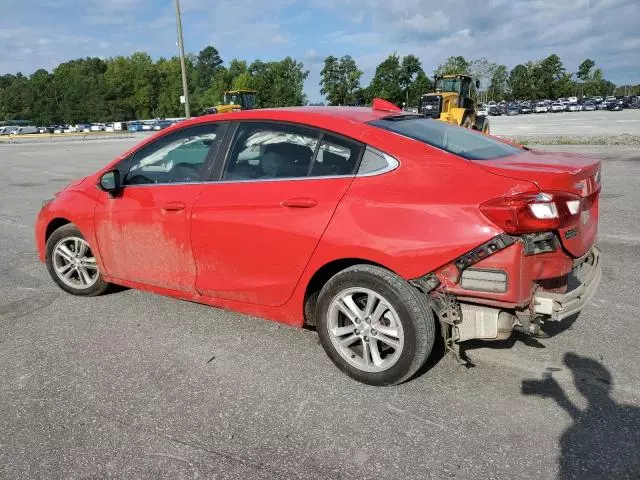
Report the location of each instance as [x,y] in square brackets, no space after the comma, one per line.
[234,101]
[452,103]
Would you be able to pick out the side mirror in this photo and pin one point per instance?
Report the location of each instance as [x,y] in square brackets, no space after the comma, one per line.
[110,182]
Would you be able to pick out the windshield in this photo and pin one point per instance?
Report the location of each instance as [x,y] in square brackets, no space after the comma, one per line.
[453,139]
[245,99]
[453,85]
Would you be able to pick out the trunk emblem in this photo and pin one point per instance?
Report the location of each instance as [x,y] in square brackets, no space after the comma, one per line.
[571,233]
[581,186]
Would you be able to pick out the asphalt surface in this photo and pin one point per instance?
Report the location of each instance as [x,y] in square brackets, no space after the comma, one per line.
[134,385]
[568,124]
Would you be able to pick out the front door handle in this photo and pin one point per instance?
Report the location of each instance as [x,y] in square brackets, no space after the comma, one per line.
[174,207]
[300,202]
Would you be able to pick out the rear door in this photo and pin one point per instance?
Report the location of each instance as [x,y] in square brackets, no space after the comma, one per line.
[254,230]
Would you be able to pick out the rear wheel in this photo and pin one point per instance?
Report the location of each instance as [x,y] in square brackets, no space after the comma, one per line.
[374,326]
[72,264]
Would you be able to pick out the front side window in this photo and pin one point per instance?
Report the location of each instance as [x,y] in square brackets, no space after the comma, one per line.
[263,151]
[453,139]
[175,158]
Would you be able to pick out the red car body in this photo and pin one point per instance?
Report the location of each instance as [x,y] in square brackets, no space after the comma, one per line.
[260,247]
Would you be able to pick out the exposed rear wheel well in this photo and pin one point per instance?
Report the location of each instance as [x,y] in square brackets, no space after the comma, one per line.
[321,277]
[54,224]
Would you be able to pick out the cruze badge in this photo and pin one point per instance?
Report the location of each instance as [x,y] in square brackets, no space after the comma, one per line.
[571,233]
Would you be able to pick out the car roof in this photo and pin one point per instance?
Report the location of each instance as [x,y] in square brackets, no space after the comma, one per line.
[310,115]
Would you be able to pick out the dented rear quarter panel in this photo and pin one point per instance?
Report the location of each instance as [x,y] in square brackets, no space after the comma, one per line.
[418,217]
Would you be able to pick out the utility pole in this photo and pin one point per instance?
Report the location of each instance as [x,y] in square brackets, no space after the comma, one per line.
[185,87]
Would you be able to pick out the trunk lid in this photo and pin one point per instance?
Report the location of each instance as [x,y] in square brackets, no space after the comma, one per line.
[565,172]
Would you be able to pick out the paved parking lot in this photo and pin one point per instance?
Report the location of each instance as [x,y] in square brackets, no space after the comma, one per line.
[567,124]
[133,385]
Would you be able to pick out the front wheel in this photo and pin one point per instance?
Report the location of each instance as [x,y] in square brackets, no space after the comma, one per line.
[374,326]
[72,264]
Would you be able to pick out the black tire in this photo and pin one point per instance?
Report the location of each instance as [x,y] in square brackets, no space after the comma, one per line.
[67,231]
[414,314]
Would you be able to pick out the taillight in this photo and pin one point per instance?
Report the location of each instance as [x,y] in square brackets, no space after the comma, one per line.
[533,212]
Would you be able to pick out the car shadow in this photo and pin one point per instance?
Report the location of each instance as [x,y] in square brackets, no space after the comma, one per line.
[603,441]
[113,288]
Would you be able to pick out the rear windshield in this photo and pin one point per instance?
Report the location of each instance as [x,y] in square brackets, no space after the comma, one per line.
[457,140]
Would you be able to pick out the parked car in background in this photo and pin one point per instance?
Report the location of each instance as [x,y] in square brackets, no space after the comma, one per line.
[614,106]
[557,107]
[25,130]
[589,106]
[330,217]
[98,127]
[146,126]
[603,105]
[495,111]
[8,129]
[574,107]
[134,127]
[541,107]
[525,108]
[513,109]
[483,110]
[162,124]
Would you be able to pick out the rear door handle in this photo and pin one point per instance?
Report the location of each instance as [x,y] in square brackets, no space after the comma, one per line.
[300,202]
[174,207]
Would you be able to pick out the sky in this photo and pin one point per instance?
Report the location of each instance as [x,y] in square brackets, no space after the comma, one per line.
[43,33]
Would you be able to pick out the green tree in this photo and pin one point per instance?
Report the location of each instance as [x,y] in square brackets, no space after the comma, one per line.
[421,85]
[170,81]
[279,84]
[146,83]
[551,77]
[454,65]
[242,82]
[584,70]
[206,63]
[409,71]
[498,85]
[80,90]
[519,82]
[387,81]
[339,80]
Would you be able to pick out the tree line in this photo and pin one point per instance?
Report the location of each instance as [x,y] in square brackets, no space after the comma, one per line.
[136,87]
[403,80]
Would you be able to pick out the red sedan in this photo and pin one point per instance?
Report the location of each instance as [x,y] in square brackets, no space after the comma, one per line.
[388,231]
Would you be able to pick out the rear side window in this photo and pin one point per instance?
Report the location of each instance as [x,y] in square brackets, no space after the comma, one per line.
[336,156]
[459,141]
[263,151]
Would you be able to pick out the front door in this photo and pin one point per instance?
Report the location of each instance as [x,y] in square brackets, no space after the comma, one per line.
[143,233]
[254,231]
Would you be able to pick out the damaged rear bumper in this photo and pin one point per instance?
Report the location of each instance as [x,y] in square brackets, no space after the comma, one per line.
[558,306]
[469,320]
